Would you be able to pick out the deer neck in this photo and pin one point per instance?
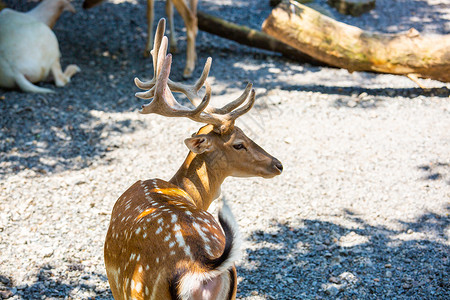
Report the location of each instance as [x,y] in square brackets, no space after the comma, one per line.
[198,177]
[47,12]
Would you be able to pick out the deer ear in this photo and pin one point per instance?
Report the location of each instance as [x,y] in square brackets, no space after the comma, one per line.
[199,144]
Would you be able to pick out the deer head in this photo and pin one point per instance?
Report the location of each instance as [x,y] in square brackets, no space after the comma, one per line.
[220,145]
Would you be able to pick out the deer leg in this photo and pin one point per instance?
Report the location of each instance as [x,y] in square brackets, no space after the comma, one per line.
[193,6]
[62,78]
[190,21]
[150,17]
[173,37]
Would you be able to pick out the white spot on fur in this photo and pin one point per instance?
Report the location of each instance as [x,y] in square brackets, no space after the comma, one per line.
[200,232]
[138,230]
[187,251]
[158,231]
[138,287]
[167,238]
[174,218]
[208,250]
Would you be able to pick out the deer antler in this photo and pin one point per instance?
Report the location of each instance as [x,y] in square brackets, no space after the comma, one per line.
[160,88]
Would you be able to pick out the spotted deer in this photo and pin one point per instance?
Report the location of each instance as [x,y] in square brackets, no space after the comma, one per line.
[189,15]
[161,242]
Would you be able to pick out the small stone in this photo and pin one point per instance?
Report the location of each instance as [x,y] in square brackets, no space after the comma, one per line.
[5,280]
[288,140]
[274,70]
[332,290]
[407,286]
[349,277]
[362,95]
[6,294]
[351,103]
[46,252]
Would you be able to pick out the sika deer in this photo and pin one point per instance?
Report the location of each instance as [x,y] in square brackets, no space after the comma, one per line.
[161,242]
[189,15]
[29,50]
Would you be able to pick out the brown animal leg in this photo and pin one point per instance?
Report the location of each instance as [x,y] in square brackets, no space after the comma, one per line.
[190,21]
[61,79]
[150,17]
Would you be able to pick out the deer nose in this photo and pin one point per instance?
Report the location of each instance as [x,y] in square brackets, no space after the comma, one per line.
[278,165]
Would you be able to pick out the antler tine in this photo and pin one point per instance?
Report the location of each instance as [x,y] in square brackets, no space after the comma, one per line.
[244,109]
[234,104]
[159,63]
[159,36]
[161,55]
[164,103]
[191,91]
[229,118]
[158,55]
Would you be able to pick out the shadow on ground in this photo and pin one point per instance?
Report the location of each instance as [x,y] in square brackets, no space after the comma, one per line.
[63,131]
[364,262]
[51,284]
[367,262]
[435,171]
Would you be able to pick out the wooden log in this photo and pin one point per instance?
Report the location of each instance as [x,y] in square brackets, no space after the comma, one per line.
[250,37]
[349,47]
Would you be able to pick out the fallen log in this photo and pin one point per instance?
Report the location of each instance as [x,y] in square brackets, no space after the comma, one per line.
[349,47]
[250,37]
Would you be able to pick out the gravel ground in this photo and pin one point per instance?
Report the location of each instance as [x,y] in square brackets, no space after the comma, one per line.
[360,212]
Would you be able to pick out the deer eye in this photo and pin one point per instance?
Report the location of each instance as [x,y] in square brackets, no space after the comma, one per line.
[239,146]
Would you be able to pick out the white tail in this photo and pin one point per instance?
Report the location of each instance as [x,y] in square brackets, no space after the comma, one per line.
[189,15]
[161,242]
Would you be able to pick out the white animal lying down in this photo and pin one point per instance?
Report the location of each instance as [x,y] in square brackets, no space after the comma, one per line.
[29,49]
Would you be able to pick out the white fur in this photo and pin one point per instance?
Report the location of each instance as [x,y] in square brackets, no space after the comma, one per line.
[29,51]
[191,281]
